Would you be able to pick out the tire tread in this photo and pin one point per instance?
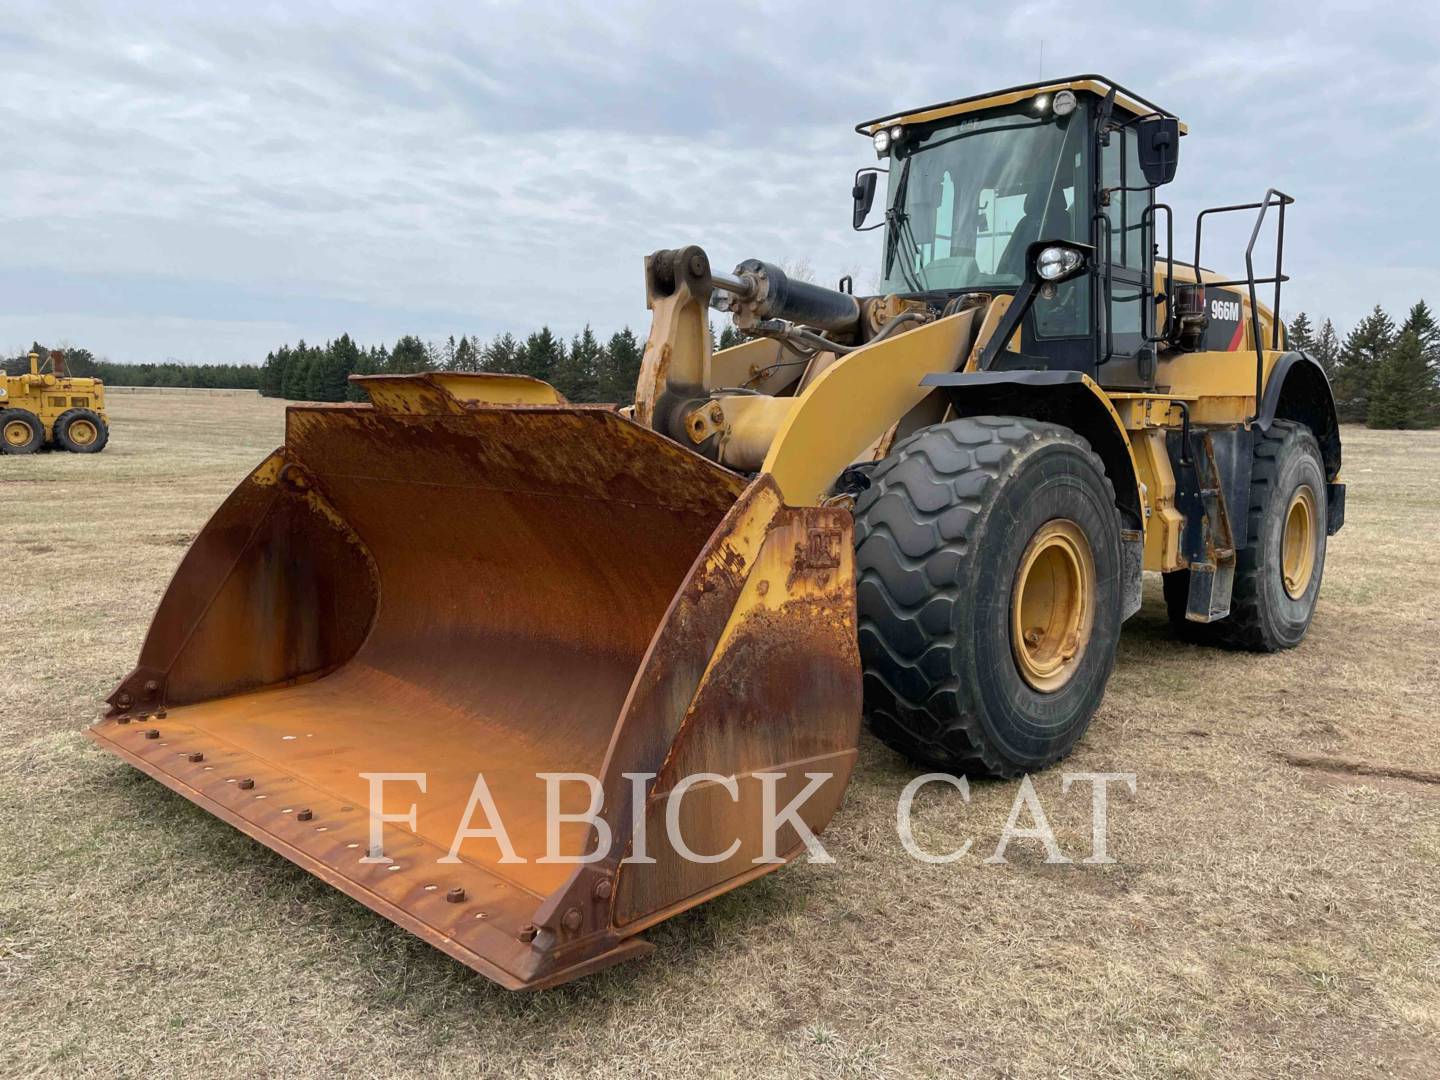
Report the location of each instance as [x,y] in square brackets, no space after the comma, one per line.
[913,525]
[62,431]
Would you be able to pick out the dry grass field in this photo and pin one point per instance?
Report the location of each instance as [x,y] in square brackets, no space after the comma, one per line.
[1274,911]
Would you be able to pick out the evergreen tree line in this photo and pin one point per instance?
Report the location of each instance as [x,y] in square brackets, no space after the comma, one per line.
[1383,375]
[84,363]
[585,369]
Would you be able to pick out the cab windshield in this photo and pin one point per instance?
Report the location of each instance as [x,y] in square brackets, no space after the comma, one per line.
[968,198]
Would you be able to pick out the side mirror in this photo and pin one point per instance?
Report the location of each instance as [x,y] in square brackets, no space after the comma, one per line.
[1158,143]
[864,195]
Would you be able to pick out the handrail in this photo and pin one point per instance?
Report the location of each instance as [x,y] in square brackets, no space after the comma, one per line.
[1273,197]
[1105,304]
[1163,334]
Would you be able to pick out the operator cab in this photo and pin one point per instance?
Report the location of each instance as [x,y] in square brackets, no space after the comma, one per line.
[974,183]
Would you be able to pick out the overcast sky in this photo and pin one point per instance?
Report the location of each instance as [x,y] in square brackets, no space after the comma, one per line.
[204,183]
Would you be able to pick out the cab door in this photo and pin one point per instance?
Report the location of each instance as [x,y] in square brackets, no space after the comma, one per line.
[1059,332]
[1126,250]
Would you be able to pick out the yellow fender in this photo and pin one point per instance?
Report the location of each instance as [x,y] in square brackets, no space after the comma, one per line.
[855,401]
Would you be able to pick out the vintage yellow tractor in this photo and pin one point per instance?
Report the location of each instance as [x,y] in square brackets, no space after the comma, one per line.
[52,407]
[937,501]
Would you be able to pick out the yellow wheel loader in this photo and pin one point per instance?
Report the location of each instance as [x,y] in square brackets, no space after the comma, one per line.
[52,408]
[400,648]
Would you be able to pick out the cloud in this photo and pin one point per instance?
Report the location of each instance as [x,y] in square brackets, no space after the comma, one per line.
[194,182]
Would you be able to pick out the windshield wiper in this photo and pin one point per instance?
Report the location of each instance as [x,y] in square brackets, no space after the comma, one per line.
[914,274]
[899,226]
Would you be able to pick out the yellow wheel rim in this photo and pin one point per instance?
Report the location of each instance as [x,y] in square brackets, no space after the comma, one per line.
[1297,546]
[83,432]
[1052,607]
[17,433]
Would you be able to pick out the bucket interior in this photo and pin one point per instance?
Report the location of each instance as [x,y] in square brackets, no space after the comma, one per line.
[519,560]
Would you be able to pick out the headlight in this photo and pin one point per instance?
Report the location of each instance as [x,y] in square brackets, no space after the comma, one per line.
[1054,263]
[882,142]
[1064,103]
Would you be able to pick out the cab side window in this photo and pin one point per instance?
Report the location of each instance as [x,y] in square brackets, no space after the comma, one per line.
[1119,174]
[1125,199]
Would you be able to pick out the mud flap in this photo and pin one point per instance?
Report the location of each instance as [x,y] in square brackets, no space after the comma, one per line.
[1208,539]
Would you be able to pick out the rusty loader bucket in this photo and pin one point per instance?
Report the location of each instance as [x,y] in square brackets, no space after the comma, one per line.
[470,578]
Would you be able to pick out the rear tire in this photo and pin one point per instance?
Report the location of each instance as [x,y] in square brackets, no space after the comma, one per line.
[1277,580]
[21,432]
[81,431]
[965,667]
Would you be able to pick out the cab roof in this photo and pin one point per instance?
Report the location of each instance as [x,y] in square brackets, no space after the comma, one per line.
[1127,100]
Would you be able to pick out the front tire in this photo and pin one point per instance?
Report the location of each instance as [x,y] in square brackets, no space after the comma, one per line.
[1278,572]
[21,432]
[988,559]
[81,431]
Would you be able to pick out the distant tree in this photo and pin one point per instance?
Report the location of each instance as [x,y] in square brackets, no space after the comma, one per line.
[1327,348]
[19,364]
[730,336]
[1421,323]
[799,268]
[620,368]
[82,362]
[1300,336]
[296,377]
[542,353]
[272,374]
[315,381]
[502,355]
[367,362]
[577,370]
[331,369]
[409,356]
[466,356]
[1402,391]
[1365,347]
[315,374]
